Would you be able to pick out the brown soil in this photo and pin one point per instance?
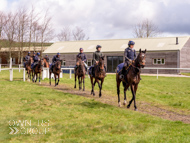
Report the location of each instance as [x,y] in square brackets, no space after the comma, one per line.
[143,107]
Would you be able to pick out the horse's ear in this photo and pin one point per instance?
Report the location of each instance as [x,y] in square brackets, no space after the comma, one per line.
[140,51]
[145,51]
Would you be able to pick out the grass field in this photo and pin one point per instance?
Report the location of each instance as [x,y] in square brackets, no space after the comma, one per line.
[74,118]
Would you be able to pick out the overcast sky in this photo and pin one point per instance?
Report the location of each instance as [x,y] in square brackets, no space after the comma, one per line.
[112,19]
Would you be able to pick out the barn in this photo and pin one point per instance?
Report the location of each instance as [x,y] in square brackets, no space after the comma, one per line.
[164,52]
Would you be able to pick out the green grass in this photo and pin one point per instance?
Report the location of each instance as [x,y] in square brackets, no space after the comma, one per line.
[187,74]
[74,118]
[168,92]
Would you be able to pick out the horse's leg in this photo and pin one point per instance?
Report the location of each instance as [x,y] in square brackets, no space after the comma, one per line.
[79,79]
[135,89]
[100,86]
[49,77]
[39,78]
[75,80]
[133,94]
[58,79]
[55,78]
[83,83]
[118,91]
[125,97]
[36,76]
[92,91]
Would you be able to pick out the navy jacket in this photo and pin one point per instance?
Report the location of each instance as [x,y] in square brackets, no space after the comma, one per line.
[36,58]
[47,59]
[130,54]
[55,59]
[27,58]
[83,56]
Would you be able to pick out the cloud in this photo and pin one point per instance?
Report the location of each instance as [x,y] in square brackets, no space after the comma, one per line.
[105,19]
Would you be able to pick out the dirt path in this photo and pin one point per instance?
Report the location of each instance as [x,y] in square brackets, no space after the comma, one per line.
[143,107]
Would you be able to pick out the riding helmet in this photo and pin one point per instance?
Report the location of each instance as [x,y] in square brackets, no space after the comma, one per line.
[98,46]
[131,43]
[81,49]
[58,53]
[38,53]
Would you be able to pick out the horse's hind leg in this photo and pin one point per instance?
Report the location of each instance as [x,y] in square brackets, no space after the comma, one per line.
[49,78]
[36,77]
[118,91]
[84,83]
[75,80]
[58,79]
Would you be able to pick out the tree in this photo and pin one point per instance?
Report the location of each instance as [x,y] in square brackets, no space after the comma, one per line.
[79,34]
[65,34]
[145,29]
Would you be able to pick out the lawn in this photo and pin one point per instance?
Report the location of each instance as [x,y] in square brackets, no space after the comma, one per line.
[72,118]
[167,92]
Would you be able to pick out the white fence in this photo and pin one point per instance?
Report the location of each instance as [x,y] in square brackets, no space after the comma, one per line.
[157,69]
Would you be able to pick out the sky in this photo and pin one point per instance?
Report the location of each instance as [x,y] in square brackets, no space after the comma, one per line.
[112,19]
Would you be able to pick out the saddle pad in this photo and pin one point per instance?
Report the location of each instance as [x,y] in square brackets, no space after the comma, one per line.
[119,68]
[90,70]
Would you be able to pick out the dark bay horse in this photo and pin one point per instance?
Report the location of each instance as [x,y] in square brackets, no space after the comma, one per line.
[100,74]
[46,64]
[80,73]
[37,71]
[28,68]
[133,79]
[56,71]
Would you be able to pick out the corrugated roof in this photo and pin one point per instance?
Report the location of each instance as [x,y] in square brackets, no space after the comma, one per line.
[151,44]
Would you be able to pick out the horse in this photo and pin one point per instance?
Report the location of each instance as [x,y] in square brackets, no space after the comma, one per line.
[28,67]
[80,73]
[56,71]
[37,70]
[132,77]
[46,64]
[100,74]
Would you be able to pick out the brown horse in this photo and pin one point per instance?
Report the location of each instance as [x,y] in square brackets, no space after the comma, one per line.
[132,77]
[80,73]
[100,74]
[46,64]
[28,67]
[37,71]
[56,72]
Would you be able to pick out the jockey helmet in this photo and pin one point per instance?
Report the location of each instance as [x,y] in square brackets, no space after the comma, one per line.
[98,46]
[38,53]
[131,43]
[58,53]
[81,49]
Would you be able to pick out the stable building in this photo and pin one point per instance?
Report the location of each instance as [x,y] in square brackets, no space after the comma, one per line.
[164,52]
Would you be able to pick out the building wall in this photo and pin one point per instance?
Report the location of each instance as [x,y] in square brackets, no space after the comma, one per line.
[185,56]
[171,60]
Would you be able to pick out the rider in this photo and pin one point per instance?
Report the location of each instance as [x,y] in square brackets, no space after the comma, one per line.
[130,55]
[83,57]
[27,58]
[47,58]
[36,59]
[96,57]
[54,60]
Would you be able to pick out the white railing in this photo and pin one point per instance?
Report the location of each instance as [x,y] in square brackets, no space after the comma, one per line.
[157,69]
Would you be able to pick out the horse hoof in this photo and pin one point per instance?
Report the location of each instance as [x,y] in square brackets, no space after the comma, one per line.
[83,89]
[74,86]
[100,96]
[136,109]
[93,94]
[119,104]
[124,103]
[128,106]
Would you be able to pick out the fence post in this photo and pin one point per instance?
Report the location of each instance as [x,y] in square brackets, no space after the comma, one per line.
[70,73]
[61,74]
[11,74]
[23,74]
[157,73]
[10,66]
[19,67]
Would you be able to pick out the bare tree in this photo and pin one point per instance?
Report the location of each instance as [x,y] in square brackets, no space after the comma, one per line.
[145,29]
[65,34]
[35,34]
[10,30]
[45,29]
[2,24]
[79,34]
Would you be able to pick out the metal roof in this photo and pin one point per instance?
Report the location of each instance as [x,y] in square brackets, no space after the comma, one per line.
[151,44]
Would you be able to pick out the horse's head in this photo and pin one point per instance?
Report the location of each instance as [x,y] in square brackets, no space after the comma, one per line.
[58,65]
[141,59]
[41,64]
[101,63]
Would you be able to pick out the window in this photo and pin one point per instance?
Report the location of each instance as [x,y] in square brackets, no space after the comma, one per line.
[63,63]
[89,63]
[158,61]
